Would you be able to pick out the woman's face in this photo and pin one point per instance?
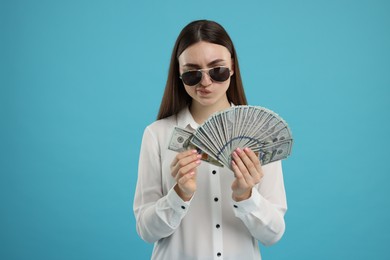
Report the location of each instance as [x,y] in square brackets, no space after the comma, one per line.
[204,55]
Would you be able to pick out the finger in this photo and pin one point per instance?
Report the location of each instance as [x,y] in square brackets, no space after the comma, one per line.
[252,163]
[187,169]
[182,155]
[183,162]
[239,185]
[247,161]
[255,159]
[186,177]
[237,172]
[242,168]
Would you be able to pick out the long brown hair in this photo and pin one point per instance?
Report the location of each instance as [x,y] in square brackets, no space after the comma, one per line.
[175,97]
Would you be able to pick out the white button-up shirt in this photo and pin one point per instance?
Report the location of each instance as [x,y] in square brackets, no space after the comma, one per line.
[211,225]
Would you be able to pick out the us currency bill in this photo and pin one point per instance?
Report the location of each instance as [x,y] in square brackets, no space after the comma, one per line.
[258,128]
[181,141]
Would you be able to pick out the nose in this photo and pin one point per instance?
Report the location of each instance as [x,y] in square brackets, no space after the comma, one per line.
[206,80]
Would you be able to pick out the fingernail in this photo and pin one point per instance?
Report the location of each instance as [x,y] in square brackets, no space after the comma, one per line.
[198,161]
[246,149]
[194,151]
[235,154]
[238,150]
[199,156]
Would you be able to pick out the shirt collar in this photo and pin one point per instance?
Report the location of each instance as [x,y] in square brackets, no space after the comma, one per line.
[185,119]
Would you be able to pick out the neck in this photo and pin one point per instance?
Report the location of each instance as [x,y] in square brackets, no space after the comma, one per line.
[200,112]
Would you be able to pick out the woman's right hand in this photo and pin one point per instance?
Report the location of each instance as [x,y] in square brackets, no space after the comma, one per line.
[183,169]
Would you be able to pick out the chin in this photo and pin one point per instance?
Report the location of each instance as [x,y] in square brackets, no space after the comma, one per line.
[206,102]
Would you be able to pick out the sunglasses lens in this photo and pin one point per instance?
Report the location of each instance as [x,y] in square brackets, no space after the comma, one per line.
[191,78]
[219,74]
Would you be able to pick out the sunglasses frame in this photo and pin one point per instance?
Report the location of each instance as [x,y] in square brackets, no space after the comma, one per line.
[208,73]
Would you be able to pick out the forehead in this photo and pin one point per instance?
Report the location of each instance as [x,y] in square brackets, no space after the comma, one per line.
[202,53]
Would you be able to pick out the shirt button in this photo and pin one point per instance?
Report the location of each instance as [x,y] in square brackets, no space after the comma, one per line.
[219,254]
[217,226]
[183,207]
[235,206]
[214,171]
[215,199]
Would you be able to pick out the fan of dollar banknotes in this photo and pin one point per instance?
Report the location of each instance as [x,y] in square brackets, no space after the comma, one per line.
[258,128]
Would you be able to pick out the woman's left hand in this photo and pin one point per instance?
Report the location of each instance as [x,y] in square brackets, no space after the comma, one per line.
[248,172]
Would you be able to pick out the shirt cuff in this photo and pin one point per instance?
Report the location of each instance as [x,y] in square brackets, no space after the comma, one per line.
[249,205]
[176,203]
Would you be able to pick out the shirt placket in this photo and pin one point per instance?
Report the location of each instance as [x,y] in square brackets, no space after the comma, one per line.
[216,212]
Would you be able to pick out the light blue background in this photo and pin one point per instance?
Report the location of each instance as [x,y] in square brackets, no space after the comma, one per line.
[81,79]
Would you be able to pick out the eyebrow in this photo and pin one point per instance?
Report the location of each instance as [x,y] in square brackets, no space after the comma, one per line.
[212,63]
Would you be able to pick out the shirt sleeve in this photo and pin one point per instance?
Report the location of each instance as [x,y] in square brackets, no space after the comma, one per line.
[263,213]
[157,216]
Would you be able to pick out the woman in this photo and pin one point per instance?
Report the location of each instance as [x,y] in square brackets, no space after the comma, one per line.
[189,208]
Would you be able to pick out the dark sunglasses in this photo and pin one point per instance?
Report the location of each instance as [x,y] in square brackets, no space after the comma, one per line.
[193,77]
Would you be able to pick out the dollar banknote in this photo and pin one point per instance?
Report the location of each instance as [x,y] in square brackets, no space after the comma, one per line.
[257,128]
[180,141]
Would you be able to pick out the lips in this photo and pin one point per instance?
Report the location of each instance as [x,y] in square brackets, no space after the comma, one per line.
[203,91]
